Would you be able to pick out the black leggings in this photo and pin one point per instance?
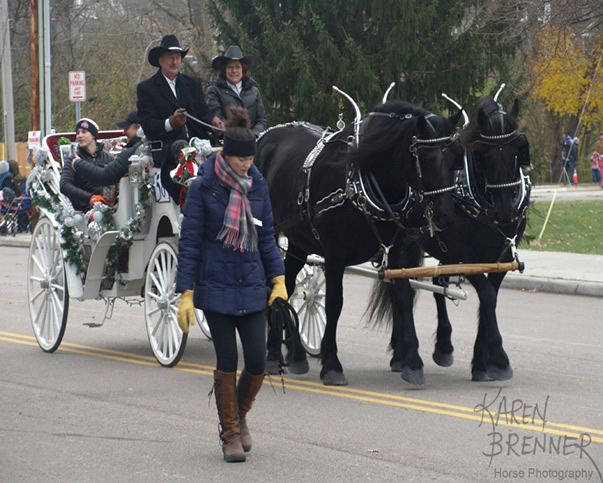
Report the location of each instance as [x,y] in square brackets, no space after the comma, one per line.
[252,332]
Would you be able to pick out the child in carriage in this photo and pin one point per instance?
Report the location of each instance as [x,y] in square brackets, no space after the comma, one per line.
[92,168]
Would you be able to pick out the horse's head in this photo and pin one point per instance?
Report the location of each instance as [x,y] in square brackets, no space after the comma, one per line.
[495,155]
[438,157]
[406,146]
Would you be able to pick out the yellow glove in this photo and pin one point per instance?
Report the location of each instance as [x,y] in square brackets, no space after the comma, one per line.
[278,290]
[186,311]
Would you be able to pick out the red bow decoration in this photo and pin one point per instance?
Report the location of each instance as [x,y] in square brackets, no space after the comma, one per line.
[190,168]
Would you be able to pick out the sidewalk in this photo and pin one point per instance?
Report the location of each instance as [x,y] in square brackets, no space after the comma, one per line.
[563,273]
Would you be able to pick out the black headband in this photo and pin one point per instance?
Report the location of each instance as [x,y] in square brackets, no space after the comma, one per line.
[238,147]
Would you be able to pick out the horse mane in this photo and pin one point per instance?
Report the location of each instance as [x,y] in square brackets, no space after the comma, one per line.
[471,133]
[382,137]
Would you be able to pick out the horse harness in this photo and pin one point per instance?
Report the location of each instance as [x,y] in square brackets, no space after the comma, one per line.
[362,189]
[473,203]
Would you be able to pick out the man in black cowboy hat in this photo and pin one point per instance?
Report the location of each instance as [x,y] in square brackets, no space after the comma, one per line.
[162,101]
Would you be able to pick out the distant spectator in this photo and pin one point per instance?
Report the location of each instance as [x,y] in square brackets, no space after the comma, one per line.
[572,159]
[595,168]
[599,144]
[565,146]
[6,177]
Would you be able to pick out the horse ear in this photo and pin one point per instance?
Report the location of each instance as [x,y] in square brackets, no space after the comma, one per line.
[454,119]
[482,120]
[421,124]
[515,109]
[523,151]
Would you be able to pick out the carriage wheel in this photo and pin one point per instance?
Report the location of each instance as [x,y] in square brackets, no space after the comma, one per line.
[308,300]
[161,306]
[202,321]
[47,291]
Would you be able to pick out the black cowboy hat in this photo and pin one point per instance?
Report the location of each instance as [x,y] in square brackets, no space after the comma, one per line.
[168,43]
[131,119]
[232,53]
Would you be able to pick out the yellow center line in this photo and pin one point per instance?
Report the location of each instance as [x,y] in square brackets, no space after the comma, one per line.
[423,405]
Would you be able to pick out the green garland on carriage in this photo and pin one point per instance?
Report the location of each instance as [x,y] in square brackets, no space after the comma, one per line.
[100,221]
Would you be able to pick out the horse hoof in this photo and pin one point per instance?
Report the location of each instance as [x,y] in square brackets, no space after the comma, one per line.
[413,376]
[298,367]
[272,368]
[480,376]
[500,374]
[441,359]
[334,378]
[396,366]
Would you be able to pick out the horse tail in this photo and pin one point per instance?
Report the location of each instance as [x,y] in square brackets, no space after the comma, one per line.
[379,309]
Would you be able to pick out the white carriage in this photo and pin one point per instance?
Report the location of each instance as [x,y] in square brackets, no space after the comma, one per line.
[127,252]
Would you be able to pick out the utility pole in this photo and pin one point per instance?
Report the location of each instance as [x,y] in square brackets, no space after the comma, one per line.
[45,49]
[35,66]
[7,83]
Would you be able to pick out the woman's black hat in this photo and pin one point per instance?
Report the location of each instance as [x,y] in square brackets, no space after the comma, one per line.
[232,53]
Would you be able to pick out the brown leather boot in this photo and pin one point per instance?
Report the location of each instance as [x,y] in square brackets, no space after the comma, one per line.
[247,388]
[226,401]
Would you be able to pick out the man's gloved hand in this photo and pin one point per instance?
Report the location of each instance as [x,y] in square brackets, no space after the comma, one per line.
[278,290]
[97,199]
[186,311]
[178,119]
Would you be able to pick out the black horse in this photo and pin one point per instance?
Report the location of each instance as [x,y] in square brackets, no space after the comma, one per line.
[351,201]
[491,206]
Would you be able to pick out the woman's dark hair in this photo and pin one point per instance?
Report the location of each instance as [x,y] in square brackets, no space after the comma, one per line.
[222,71]
[239,139]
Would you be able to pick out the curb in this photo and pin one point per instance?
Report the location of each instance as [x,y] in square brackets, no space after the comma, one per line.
[15,241]
[553,285]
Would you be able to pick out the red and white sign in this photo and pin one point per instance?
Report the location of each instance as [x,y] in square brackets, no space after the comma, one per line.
[33,138]
[77,85]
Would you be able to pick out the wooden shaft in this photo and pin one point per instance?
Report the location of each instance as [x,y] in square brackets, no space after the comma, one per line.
[464,269]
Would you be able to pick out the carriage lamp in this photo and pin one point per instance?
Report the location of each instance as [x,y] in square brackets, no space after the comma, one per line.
[135,170]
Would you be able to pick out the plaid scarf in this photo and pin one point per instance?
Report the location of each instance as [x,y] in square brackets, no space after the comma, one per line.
[238,230]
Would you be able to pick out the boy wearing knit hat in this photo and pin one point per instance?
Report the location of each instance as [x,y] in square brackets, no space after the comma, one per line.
[77,184]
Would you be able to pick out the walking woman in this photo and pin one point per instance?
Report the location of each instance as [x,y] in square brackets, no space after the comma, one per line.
[227,255]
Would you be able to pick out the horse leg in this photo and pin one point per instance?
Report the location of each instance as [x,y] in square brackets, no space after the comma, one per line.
[404,341]
[443,351]
[294,261]
[490,362]
[331,373]
[296,360]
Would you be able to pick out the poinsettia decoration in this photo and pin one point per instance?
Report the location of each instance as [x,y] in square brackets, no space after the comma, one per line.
[188,165]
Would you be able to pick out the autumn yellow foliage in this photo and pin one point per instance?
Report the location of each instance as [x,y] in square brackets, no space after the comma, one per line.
[562,75]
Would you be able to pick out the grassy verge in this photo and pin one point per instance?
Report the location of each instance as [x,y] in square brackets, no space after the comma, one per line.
[573,226]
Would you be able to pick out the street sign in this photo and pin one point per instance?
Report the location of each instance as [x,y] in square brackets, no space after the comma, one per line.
[33,139]
[77,85]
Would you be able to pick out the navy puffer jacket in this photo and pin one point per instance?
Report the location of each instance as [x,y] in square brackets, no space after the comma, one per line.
[224,280]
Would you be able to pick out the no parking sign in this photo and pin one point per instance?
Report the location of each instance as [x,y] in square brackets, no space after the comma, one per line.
[77,85]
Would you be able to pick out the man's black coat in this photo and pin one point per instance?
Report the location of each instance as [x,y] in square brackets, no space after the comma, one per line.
[156,103]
